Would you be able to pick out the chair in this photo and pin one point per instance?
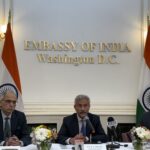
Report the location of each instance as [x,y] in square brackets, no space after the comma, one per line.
[126,137]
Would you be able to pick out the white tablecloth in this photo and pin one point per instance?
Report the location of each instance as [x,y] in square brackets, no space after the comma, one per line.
[69,147]
[86,147]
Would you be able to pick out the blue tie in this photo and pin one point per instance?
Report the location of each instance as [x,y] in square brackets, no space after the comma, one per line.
[83,128]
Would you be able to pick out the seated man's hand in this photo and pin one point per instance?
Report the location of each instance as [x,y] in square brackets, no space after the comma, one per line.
[13,141]
[77,137]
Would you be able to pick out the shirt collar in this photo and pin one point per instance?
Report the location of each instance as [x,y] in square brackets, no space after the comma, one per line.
[4,116]
[79,119]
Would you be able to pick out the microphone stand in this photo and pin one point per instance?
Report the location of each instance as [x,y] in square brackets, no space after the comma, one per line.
[112,140]
[90,138]
[112,146]
[92,132]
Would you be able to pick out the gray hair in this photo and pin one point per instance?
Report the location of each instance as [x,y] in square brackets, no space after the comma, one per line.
[8,87]
[81,97]
[5,93]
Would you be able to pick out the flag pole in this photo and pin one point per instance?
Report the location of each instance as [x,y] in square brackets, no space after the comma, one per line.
[9,16]
[148,20]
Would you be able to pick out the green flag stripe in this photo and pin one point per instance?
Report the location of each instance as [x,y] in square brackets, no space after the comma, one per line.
[139,112]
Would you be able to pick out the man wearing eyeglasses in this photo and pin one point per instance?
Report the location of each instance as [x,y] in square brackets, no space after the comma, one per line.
[13,125]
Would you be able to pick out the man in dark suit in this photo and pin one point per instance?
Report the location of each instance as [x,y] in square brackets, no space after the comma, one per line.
[145,121]
[81,125]
[13,125]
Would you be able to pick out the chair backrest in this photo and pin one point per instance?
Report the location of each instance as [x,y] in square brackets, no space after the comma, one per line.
[126,137]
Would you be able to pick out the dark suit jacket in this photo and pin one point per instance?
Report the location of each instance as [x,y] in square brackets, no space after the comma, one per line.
[145,121]
[18,127]
[70,128]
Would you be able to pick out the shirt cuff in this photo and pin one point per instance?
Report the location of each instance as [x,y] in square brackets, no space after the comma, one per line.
[67,141]
[2,143]
[21,143]
[86,139]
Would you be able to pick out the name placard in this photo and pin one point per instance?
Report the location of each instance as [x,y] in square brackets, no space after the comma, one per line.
[94,146]
[9,147]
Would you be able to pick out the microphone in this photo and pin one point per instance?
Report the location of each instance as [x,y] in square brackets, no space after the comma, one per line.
[92,130]
[90,125]
[112,124]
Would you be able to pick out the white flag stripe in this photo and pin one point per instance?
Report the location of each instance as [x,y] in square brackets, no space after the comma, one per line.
[7,78]
[144,80]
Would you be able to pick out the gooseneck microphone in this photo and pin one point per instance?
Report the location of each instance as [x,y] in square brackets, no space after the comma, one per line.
[90,125]
[92,130]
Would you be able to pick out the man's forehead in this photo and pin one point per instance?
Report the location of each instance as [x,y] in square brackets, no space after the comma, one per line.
[83,101]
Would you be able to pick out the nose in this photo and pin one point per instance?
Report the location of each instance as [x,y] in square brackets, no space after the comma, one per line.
[11,104]
[82,107]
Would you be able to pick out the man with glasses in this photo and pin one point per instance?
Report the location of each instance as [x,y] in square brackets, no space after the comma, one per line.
[13,125]
[81,125]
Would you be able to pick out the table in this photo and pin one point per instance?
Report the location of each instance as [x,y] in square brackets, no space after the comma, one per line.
[69,147]
[86,147]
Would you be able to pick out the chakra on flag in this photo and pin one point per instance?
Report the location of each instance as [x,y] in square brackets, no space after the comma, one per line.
[146,99]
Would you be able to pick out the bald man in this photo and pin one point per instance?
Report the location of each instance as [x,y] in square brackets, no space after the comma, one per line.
[13,124]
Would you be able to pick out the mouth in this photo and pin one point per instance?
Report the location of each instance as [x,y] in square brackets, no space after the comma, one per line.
[83,113]
[10,110]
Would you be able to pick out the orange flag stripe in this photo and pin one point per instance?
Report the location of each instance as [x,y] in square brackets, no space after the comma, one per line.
[9,57]
[147,49]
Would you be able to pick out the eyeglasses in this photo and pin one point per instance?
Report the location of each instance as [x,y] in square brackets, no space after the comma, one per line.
[10,101]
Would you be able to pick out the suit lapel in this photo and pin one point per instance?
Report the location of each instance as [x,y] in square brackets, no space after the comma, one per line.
[75,124]
[13,122]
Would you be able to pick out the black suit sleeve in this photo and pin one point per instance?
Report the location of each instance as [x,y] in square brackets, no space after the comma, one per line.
[25,136]
[99,135]
[63,133]
[20,128]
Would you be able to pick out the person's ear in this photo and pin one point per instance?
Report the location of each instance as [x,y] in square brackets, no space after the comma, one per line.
[75,107]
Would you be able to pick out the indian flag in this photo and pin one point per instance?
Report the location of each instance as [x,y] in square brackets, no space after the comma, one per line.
[143,102]
[9,73]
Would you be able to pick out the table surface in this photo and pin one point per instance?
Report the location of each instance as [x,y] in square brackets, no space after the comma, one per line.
[86,147]
[70,147]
